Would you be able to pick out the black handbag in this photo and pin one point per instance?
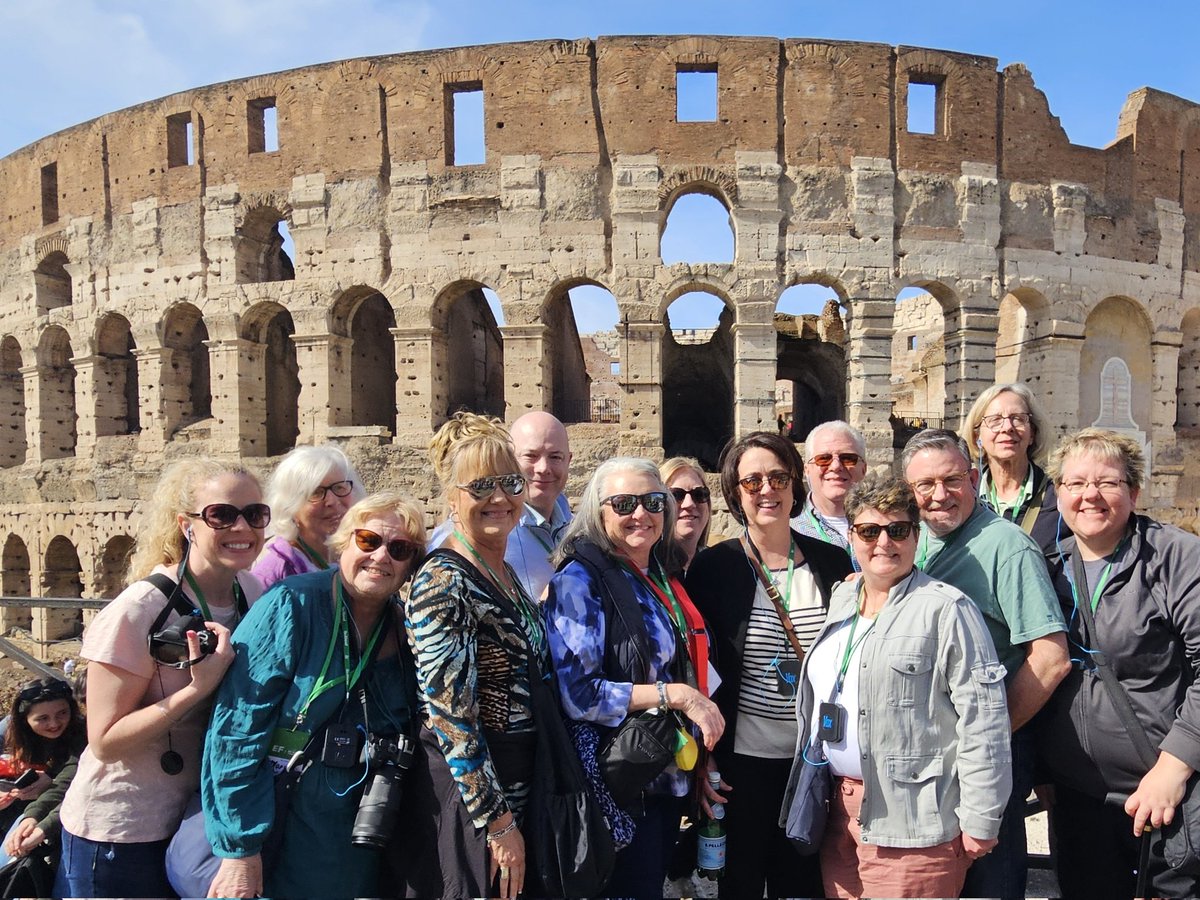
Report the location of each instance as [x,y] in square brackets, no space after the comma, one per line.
[636,753]
[810,803]
[571,848]
[31,875]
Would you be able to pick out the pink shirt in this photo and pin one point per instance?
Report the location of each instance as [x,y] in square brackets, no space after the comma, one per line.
[132,800]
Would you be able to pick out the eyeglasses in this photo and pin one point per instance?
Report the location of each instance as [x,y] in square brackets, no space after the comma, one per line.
[825,460]
[625,504]
[1019,421]
[1111,486]
[482,488]
[368,542]
[338,489]
[952,483]
[219,516]
[42,693]
[698,494]
[897,531]
[754,483]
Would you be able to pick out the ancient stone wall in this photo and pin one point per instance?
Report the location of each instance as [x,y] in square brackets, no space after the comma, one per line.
[148,309]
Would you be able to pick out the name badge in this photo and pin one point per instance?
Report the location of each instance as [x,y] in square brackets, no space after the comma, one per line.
[284,744]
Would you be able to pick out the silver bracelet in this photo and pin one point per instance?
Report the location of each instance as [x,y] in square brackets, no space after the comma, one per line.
[663,706]
[496,835]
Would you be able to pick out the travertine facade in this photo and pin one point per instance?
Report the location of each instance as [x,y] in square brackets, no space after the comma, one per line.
[146,309]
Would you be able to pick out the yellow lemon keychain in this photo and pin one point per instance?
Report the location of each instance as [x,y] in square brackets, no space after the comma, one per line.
[686,751]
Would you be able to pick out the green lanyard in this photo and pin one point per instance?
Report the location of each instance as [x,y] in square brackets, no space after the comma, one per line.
[785,597]
[851,646]
[1023,495]
[239,598]
[1099,589]
[533,529]
[341,628]
[516,595]
[923,546]
[313,556]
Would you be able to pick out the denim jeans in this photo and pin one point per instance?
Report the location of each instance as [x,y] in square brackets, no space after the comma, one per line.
[1003,872]
[103,869]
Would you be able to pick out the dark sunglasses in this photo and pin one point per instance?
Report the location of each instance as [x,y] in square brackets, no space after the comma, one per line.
[482,488]
[698,494]
[625,504]
[897,531]
[338,489]
[219,516]
[368,542]
[825,460]
[42,693]
[754,483]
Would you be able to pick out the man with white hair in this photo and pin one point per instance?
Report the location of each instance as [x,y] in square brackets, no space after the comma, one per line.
[835,461]
[544,455]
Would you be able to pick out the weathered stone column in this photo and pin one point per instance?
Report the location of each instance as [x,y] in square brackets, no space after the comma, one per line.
[869,369]
[161,395]
[94,401]
[323,361]
[421,383]
[238,396]
[755,357]
[1054,374]
[1166,463]
[970,358]
[641,378]
[49,415]
[526,385]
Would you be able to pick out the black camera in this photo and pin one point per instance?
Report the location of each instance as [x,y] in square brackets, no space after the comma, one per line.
[390,757]
[170,647]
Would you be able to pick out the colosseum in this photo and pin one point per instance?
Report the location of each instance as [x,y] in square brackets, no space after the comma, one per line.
[149,309]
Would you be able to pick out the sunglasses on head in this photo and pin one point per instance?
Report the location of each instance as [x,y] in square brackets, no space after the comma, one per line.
[368,542]
[338,489]
[825,460]
[897,531]
[482,488]
[41,693]
[754,483]
[698,494]
[218,516]
[625,504]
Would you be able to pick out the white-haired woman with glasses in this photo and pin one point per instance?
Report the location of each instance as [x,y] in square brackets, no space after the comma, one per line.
[150,682]
[1009,435]
[625,638]
[478,640]
[758,662]
[309,492]
[322,669]
[902,697]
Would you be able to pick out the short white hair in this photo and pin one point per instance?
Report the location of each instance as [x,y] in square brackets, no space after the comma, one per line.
[298,475]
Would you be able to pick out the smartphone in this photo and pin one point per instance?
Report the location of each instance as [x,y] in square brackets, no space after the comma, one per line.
[26,779]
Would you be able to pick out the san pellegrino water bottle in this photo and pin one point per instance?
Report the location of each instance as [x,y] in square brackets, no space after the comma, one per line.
[710,855]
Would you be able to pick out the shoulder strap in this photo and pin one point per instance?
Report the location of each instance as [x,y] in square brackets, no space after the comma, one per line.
[773,593]
[619,605]
[1118,695]
[176,600]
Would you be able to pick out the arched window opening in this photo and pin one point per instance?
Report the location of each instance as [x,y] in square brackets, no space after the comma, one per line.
[261,247]
[810,359]
[52,283]
[1021,338]
[1187,405]
[474,364]
[116,389]
[373,363]
[61,577]
[12,404]
[282,378]
[581,341]
[184,333]
[114,564]
[918,364]
[1116,369]
[56,397]
[15,575]
[699,229]
[698,381]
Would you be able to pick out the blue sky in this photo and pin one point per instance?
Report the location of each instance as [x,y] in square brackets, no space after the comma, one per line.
[66,61]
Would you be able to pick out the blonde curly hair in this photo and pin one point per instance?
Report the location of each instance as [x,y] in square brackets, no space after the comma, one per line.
[470,446]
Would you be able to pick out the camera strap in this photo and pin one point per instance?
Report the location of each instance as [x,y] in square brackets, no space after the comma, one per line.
[177,600]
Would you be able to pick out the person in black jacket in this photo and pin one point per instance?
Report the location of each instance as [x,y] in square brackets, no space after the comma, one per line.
[755,657]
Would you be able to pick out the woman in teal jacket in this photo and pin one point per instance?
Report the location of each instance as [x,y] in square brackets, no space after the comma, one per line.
[288,684]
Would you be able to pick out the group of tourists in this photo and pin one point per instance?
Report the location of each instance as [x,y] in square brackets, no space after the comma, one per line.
[305,696]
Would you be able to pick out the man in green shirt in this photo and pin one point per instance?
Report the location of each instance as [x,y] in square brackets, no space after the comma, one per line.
[1003,571]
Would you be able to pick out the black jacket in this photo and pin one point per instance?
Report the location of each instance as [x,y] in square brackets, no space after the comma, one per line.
[721,583]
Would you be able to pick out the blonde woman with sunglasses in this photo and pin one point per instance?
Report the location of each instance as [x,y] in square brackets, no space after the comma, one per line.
[324,685]
[902,703]
[149,699]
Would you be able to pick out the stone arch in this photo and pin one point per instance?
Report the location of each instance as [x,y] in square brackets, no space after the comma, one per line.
[466,319]
[269,326]
[573,362]
[12,404]
[113,566]
[810,357]
[367,318]
[259,253]
[698,383]
[62,576]
[697,223]
[56,394]
[1117,328]
[918,378]
[184,334]
[115,387]
[52,282]
[14,572]
[1187,388]
[1020,337]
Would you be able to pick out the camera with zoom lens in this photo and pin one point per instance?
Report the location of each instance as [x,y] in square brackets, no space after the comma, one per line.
[170,645]
[390,757]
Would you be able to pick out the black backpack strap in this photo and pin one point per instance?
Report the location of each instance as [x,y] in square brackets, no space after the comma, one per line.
[176,600]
